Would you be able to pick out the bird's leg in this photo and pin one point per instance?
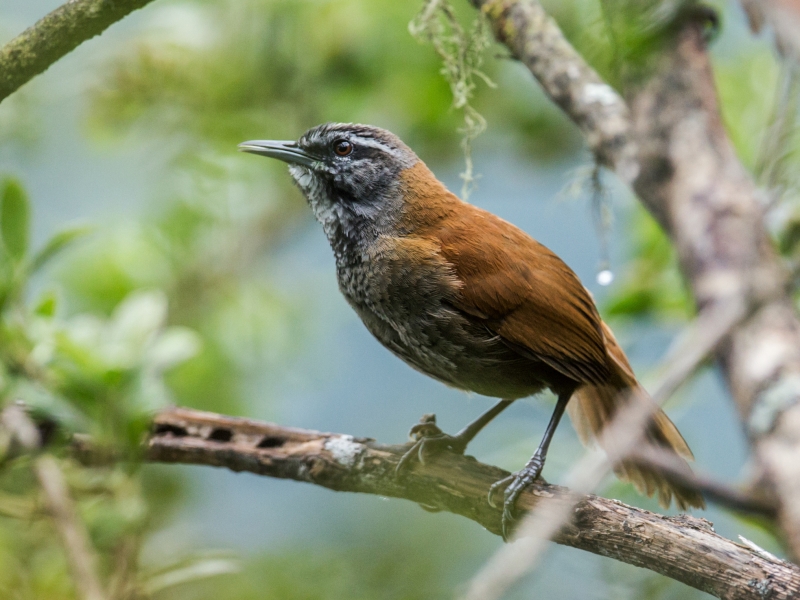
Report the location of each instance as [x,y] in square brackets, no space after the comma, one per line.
[430,439]
[516,482]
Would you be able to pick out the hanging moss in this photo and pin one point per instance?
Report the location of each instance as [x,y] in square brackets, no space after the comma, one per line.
[462,54]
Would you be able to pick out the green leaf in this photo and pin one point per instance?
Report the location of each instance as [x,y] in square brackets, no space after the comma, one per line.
[57,243]
[14,219]
[46,307]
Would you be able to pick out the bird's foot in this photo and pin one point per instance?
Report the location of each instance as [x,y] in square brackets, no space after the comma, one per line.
[514,485]
[429,440]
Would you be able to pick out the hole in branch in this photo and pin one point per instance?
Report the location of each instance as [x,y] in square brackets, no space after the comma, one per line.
[162,428]
[270,441]
[221,435]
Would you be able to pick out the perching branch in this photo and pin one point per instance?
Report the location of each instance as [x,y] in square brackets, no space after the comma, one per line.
[622,436]
[683,548]
[56,35]
[669,141]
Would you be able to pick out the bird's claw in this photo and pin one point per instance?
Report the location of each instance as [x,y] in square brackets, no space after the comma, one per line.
[496,486]
[429,440]
[514,485]
[425,428]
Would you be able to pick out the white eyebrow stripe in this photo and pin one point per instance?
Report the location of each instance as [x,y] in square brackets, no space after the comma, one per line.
[373,143]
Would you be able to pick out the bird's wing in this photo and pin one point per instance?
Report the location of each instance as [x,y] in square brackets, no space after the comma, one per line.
[525,294]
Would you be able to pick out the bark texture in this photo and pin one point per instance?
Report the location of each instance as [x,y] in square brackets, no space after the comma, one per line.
[534,39]
[683,547]
[667,140]
[55,35]
[706,200]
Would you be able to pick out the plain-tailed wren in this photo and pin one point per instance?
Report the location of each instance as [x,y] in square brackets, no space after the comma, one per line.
[465,297]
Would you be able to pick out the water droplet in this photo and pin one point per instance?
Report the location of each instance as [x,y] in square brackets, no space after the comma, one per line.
[605,277]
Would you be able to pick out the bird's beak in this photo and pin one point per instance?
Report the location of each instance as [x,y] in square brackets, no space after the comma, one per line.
[288,152]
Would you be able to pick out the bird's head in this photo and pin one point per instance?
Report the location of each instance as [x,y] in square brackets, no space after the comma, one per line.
[350,174]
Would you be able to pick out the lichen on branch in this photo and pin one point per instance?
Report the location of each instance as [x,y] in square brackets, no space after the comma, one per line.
[55,35]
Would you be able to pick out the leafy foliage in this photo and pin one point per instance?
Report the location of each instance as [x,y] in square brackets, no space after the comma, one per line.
[14,221]
[102,376]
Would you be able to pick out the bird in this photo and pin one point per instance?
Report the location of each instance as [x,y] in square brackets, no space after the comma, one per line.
[468,299]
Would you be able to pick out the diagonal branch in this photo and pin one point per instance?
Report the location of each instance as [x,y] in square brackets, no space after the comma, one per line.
[707,201]
[683,548]
[670,144]
[751,502]
[533,38]
[57,34]
[622,435]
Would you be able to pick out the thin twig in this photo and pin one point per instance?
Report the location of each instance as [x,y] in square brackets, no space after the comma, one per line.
[79,552]
[80,555]
[670,466]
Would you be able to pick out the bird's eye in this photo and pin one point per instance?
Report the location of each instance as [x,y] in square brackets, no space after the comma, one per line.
[342,147]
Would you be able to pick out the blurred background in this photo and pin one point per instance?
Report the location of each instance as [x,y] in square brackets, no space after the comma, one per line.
[189,273]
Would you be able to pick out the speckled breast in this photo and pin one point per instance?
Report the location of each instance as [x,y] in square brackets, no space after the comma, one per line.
[407,308]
